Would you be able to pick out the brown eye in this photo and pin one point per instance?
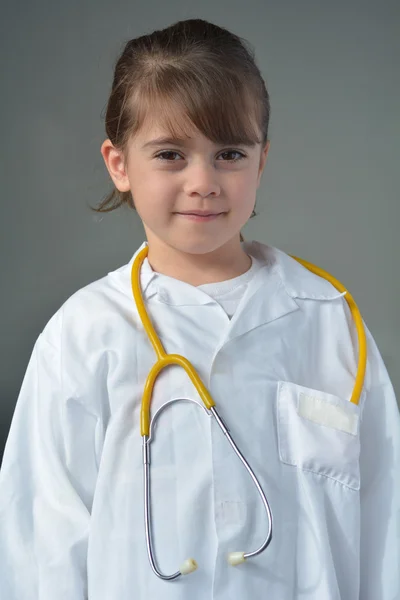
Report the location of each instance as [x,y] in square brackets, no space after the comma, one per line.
[165,156]
[240,157]
[166,153]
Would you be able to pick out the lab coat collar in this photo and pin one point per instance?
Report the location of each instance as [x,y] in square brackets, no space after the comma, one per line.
[270,294]
[254,309]
[297,281]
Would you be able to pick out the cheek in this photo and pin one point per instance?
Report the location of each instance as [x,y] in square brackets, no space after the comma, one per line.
[149,184]
[243,179]
[243,191]
[153,196]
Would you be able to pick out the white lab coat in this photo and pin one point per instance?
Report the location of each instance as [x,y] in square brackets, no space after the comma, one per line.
[71,488]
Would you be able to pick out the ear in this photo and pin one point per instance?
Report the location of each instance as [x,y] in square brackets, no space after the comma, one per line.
[263,159]
[114,161]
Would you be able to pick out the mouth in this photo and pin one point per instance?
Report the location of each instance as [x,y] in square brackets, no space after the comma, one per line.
[199,216]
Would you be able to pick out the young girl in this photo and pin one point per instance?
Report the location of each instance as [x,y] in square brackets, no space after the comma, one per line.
[275,345]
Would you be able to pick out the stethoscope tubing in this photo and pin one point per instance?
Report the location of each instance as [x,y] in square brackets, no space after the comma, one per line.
[147,486]
[164,360]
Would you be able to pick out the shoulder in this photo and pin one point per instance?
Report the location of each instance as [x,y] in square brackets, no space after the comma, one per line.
[305,281]
[97,315]
[92,315]
[299,281]
[84,337]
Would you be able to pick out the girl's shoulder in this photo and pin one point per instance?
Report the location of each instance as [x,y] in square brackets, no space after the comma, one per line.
[298,280]
[93,311]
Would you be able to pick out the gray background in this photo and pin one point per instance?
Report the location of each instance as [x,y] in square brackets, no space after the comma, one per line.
[329,193]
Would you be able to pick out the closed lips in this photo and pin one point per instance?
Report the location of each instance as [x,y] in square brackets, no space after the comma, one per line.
[200,214]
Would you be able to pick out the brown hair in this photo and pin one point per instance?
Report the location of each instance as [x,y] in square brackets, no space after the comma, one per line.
[205,72]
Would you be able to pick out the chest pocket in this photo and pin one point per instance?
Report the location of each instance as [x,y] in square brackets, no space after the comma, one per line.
[319,432]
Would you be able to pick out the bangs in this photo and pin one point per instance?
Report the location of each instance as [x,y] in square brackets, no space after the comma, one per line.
[220,107]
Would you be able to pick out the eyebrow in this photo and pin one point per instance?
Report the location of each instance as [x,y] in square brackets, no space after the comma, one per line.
[165,140]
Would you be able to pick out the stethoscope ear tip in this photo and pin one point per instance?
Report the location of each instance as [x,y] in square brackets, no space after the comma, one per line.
[236,558]
[188,566]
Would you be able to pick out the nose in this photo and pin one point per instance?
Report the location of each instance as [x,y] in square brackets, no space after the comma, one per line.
[201,179]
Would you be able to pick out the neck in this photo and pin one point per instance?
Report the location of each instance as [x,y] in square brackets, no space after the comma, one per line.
[224,263]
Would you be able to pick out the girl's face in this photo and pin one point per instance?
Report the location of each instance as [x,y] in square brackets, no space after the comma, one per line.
[170,177]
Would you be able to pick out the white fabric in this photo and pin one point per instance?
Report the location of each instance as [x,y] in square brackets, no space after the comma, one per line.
[71,489]
[227,293]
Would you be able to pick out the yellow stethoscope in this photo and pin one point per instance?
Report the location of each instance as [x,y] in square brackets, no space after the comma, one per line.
[164,359]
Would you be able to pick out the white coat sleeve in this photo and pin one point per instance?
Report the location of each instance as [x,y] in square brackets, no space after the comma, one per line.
[380,485]
[45,486]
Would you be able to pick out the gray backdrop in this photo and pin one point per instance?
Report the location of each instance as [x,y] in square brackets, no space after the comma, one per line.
[329,193]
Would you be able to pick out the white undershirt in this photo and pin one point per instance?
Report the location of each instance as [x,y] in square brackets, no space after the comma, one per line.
[228,293]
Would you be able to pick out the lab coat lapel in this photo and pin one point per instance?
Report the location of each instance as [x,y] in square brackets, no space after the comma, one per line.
[265,300]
